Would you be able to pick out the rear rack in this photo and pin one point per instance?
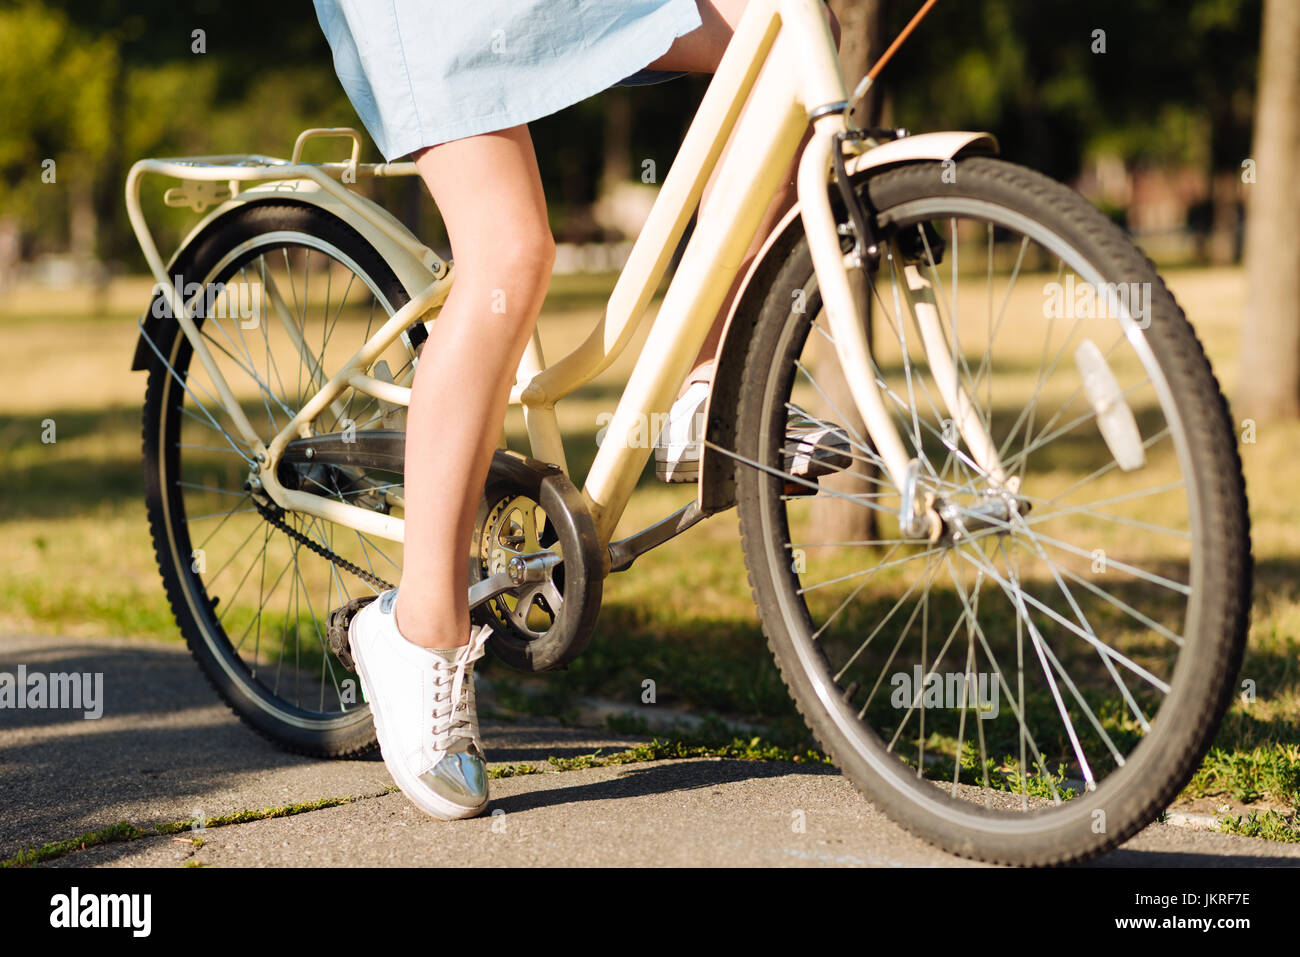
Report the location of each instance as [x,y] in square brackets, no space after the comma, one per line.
[212,180]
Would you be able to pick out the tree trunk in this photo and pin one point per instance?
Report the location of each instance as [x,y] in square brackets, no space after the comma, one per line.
[616,159]
[1270,366]
[862,41]
[1227,130]
[113,240]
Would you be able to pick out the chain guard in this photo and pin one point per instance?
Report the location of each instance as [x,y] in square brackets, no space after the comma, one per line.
[571,594]
[575,585]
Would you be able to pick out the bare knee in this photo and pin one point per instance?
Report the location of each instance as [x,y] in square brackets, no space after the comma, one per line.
[509,272]
[527,255]
[520,245]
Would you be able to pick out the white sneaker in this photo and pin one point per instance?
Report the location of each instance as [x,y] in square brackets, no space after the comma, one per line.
[677,452]
[422,700]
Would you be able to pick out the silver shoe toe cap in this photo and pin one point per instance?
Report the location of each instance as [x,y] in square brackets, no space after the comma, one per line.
[460,778]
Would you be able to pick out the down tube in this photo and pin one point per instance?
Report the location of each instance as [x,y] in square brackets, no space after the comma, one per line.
[765,141]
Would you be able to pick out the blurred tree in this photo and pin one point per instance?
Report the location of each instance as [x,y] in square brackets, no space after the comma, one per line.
[135,79]
[54,82]
[1057,80]
[862,40]
[1270,370]
[1174,85]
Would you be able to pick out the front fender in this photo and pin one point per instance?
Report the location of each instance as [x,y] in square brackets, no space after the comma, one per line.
[414,264]
[717,487]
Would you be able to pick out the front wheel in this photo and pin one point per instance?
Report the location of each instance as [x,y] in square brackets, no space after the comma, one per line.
[1036,682]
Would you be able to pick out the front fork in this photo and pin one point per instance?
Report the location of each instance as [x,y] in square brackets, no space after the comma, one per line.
[919,515]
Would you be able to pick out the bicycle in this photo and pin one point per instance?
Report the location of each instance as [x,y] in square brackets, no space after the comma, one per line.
[1023,644]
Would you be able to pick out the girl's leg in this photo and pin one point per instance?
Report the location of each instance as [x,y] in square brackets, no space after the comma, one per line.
[489,193]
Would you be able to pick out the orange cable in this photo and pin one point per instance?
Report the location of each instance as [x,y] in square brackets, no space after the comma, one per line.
[893,47]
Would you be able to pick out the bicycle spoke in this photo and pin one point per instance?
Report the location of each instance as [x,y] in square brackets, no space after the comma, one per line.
[997,600]
[276,594]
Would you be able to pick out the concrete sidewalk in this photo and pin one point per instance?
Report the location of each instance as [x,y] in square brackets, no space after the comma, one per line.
[168,749]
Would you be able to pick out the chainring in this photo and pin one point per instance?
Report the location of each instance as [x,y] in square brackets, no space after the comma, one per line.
[514,527]
[529,507]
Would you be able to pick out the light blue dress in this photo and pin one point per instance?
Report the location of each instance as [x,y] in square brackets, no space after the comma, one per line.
[422,72]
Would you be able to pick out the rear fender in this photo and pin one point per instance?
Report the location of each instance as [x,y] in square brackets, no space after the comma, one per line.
[414,264]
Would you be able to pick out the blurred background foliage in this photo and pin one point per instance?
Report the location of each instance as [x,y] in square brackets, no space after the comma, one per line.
[1175,78]
[96,84]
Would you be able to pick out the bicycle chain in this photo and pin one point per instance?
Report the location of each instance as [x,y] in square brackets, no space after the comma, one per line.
[272,513]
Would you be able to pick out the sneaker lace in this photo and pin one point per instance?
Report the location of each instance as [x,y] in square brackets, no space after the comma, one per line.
[453,710]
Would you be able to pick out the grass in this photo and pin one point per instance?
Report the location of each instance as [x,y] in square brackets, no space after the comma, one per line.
[113,834]
[76,558]
[1266,772]
[664,749]
[1268,825]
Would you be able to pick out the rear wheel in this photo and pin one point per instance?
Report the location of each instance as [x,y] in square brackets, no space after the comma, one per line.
[1038,682]
[251,599]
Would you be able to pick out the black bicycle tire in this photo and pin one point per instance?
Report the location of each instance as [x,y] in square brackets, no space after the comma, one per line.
[1204,682]
[194,263]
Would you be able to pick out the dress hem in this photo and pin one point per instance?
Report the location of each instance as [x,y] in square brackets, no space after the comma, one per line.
[489,123]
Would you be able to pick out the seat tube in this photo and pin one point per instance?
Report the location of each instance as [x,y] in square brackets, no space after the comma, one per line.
[544,438]
[766,139]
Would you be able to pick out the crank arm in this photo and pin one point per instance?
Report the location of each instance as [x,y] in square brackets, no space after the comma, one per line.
[521,570]
[625,551]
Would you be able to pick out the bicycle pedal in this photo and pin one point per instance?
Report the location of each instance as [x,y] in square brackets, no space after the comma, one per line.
[336,633]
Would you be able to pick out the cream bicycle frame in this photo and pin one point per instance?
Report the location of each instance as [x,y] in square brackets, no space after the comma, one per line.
[781,62]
